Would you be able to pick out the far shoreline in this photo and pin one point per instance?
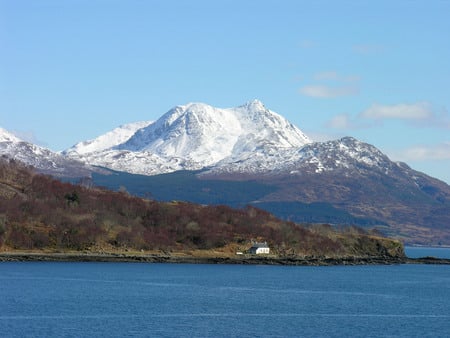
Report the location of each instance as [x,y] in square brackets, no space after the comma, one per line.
[242,260]
[445,246]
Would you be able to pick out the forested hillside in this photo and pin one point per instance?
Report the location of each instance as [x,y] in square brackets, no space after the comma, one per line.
[38,212]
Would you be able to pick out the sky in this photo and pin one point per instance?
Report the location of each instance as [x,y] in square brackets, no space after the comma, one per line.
[376,70]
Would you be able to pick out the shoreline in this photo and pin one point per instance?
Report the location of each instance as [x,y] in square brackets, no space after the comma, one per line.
[245,260]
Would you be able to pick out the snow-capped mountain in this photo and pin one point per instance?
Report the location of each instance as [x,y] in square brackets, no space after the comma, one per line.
[106,141]
[44,160]
[195,136]
[249,139]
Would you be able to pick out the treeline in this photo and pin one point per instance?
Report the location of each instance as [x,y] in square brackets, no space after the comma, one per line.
[39,212]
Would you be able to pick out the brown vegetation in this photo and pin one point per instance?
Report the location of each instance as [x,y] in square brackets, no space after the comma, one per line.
[38,212]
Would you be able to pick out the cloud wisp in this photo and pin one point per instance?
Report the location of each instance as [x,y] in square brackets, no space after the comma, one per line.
[342,121]
[416,111]
[436,152]
[323,91]
[340,86]
[420,114]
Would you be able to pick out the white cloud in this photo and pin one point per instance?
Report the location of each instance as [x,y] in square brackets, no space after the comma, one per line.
[341,121]
[420,114]
[433,159]
[439,151]
[322,91]
[416,111]
[331,85]
[346,121]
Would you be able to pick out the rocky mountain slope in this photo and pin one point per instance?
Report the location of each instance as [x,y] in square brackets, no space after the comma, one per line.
[44,160]
[355,177]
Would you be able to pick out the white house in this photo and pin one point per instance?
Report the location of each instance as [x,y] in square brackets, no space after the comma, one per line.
[259,248]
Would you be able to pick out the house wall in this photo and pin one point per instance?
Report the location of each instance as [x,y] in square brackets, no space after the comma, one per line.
[262,250]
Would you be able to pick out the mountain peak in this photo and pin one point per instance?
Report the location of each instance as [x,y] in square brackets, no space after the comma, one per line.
[193,107]
[6,136]
[348,139]
[254,105]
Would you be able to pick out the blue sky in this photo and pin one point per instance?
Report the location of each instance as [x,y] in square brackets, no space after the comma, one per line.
[375,70]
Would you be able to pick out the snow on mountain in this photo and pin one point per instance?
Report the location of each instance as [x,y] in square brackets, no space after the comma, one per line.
[249,139]
[199,130]
[346,154]
[110,139]
[6,136]
[42,159]
[195,136]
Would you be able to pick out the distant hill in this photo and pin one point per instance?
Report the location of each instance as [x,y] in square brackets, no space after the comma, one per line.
[41,213]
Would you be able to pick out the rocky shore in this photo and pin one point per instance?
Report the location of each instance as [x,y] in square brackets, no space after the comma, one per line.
[245,259]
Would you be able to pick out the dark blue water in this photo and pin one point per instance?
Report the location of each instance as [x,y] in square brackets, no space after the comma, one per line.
[418,251]
[170,300]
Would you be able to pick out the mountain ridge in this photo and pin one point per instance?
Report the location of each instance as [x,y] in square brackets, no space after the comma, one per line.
[43,159]
[107,140]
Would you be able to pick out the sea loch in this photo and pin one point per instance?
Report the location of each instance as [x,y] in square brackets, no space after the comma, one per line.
[182,300]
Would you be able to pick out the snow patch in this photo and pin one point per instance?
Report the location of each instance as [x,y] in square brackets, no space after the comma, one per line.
[197,135]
